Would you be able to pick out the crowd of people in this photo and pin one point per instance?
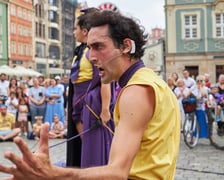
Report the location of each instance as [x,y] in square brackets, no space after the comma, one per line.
[209,99]
[29,99]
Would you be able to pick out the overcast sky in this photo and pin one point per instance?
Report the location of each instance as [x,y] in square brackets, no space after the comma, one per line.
[149,12]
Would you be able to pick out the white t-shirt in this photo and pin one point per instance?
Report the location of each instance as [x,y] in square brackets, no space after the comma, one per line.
[3,87]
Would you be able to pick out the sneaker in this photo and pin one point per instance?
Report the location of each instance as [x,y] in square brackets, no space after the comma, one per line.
[217,118]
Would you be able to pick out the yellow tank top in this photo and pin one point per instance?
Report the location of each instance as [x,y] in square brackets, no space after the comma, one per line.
[86,70]
[156,158]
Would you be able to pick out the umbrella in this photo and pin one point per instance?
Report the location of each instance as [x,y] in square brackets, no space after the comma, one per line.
[34,73]
[22,71]
[7,70]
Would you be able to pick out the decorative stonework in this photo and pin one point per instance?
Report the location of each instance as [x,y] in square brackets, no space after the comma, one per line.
[219,7]
[191,46]
[219,45]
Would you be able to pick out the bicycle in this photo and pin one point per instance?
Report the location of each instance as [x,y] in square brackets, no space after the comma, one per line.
[190,126]
[216,131]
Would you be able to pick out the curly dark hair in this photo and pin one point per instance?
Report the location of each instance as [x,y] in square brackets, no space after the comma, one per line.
[121,27]
[83,18]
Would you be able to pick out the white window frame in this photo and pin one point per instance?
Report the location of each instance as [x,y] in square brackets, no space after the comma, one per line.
[13,48]
[12,10]
[219,25]
[13,28]
[20,49]
[20,30]
[24,14]
[19,12]
[24,49]
[191,26]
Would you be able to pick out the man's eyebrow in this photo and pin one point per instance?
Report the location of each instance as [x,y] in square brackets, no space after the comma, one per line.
[93,44]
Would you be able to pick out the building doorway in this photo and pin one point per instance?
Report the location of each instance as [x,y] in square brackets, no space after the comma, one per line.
[193,70]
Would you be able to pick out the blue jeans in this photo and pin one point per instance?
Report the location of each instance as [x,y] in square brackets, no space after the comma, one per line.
[37,111]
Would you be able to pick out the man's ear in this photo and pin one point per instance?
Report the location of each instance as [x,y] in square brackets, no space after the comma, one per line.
[129,46]
[85,31]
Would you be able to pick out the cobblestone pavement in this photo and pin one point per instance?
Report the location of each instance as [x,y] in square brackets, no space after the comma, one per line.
[202,162]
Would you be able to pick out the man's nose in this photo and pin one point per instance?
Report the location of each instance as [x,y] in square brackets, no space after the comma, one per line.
[92,58]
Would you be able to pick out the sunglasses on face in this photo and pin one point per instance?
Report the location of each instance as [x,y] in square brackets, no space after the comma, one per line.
[199,80]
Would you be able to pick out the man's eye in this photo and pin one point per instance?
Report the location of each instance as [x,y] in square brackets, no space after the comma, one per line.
[97,46]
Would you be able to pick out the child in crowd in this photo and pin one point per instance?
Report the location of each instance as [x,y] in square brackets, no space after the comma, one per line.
[220,105]
[22,116]
[211,96]
[36,126]
[12,103]
[56,129]
[211,107]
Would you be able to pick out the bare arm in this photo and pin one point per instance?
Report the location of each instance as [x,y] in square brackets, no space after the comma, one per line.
[132,123]
[106,97]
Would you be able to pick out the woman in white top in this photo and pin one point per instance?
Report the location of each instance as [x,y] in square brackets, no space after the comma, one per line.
[201,95]
[181,91]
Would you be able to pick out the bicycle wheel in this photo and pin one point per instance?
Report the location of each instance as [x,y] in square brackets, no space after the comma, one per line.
[216,134]
[190,130]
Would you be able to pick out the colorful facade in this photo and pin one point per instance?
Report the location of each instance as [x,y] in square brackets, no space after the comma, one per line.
[20,30]
[195,36]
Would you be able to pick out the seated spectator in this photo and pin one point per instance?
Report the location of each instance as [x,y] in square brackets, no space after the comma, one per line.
[56,129]
[36,126]
[7,125]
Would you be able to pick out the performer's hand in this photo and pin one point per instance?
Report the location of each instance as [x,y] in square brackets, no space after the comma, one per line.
[105,116]
[34,166]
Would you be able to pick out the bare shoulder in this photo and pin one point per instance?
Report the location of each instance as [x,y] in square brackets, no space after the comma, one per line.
[137,101]
[142,93]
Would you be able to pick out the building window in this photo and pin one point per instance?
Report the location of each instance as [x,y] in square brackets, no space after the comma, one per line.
[36,28]
[40,30]
[13,12]
[13,28]
[54,52]
[24,50]
[29,16]
[19,12]
[53,2]
[53,16]
[219,19]
[29,32]
[20,30]
[20,49]
[13,48]
[190,24]
[40,50]
[54,34]
[24,14]
[30,50]
[24,31]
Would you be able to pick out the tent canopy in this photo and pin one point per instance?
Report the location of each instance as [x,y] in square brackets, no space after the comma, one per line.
[6,70]
[18,71]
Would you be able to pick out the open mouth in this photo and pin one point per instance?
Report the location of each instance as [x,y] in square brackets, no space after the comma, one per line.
[101,71]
